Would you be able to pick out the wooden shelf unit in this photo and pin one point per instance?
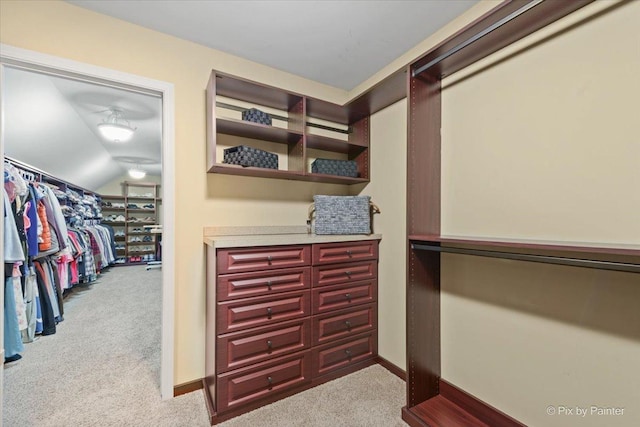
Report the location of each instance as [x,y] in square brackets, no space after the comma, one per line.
[127,226]
[431,401]
[296,136]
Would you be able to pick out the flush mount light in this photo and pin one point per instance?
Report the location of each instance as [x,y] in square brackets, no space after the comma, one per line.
[115,128]
[137,173]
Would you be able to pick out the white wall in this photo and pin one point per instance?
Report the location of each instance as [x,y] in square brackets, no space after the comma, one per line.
[115,188]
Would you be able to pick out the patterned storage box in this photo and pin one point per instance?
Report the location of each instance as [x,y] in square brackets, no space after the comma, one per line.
[247,156]
[256,116]
[342,214]
[335,167]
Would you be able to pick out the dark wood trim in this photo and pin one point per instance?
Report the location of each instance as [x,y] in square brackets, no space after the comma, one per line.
[441,412]
[412,419]
[383,94]
[631,267]
[228,169]
[454,407]
[423,326]
[423,156]
[253,130]
[527,23]
[423,216]
[593,248]
[211,130]
[479,409]
[187,387]
[252,91]
[394,369]
[208,400]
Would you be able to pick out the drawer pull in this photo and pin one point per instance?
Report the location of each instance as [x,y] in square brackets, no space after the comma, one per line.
[348,353]
[270,381]
[269,284]
[269,259]
[348,273]
[349,253]
[269,345]
[348,297]
[348,324]
[269,312]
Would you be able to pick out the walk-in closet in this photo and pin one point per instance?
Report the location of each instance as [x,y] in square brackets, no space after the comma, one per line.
[82,243]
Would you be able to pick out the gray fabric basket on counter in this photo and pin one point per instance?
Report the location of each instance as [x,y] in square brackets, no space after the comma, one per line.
[342,214]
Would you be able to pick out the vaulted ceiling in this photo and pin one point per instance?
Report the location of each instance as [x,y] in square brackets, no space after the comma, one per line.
[51,124]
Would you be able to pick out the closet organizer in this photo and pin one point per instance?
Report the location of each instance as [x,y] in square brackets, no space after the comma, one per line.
[432,401]
[53,241]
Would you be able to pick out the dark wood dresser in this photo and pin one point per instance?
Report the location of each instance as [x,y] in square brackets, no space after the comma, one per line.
[284,318]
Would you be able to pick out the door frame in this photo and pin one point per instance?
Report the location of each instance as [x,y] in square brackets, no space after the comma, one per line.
[11,56]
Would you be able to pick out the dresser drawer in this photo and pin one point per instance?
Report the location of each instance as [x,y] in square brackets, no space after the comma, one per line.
[255,345]
[242,386]
[243,285]
[265,258]
[246,313]
[329,298]
[343,353]
[344,273]
[332,253]
[344,323]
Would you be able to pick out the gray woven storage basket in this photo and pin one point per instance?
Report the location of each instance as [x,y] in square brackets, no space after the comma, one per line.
[248,156]
[342,214]
[335,167]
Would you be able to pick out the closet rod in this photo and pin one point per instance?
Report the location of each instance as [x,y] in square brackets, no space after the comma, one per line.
[283,118]
[476,37]
[574,262]
[28,168]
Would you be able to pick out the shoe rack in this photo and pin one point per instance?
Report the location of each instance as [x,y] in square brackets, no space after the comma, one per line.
[129,214]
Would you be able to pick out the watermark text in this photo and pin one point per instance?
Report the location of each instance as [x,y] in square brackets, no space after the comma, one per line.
[584,411]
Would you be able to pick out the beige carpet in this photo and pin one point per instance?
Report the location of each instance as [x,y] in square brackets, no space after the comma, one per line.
[102,368]
[370,397]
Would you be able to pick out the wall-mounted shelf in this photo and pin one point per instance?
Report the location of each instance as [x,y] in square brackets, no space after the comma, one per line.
[256,131]
[345,137]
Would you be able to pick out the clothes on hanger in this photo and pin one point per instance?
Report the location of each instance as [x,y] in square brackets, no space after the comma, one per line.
[53,241]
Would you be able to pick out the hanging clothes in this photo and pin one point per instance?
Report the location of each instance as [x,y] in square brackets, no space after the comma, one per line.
[46,304]
[13,253]
[54,215]
[30,293]
[21,308]
[44,255]
[31,222]
[44,237]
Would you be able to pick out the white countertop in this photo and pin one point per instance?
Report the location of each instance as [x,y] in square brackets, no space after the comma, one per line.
[235,237]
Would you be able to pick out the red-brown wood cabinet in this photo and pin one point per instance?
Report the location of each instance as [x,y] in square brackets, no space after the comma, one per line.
[281,319]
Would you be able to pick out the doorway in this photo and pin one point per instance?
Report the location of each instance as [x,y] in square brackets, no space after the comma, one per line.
[12,59]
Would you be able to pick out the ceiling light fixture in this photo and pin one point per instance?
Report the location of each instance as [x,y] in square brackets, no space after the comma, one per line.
[115,128]
[137,173]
